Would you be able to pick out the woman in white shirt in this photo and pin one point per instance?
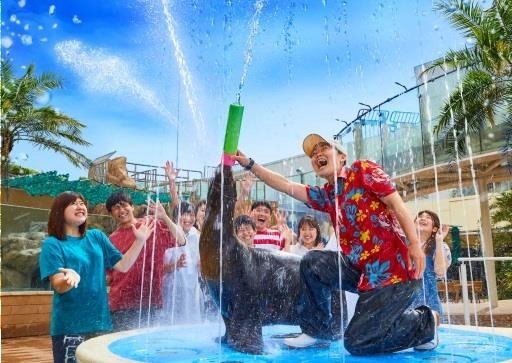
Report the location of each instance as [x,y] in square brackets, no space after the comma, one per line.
[309,236]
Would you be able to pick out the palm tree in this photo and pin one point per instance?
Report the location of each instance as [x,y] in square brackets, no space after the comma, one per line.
[44,126]
[486,89]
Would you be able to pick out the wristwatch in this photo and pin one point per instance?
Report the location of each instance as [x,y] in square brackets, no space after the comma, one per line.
[250,165]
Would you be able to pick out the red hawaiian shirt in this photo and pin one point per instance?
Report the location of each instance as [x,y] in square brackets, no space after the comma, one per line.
[369,233]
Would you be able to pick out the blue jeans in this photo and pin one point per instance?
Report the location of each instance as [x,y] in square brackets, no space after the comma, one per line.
[382,321]
[64,347]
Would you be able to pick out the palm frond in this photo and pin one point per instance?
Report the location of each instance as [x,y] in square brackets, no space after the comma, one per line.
[502,12]
[453,59]
[470,106]
[465,16]
[75,157]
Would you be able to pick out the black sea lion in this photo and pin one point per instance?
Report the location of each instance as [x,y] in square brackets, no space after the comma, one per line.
[259,287]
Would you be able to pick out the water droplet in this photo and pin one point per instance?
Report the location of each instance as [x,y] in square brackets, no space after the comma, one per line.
[22,156]
[26,39]
[44,40]
[6,41]
[76,20]
[55,25]
[490,135]
[470,40]
[436,27]
[26,27]
[12,18]
[51,10]
[21,3]
[40,27]
[43,99]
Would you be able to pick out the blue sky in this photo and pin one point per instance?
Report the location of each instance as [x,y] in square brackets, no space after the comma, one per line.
[153,80]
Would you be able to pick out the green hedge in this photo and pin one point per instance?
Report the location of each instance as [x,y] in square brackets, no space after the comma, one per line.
[52,184]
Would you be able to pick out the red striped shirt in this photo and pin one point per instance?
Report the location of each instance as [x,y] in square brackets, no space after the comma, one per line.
[269,239]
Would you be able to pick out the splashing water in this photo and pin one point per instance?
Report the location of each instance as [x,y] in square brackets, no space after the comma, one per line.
[6,42]
[153,248]
[106,73]
[255,25]
[481,187]
[144,253]
[43,99]
[185,74]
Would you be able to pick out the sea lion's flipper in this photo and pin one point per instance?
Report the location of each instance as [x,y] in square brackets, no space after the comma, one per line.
[244,335]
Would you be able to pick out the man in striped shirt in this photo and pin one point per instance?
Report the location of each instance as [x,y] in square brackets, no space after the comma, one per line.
[266,238]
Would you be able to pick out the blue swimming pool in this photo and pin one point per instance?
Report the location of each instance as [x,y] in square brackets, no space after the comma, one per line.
[188,344]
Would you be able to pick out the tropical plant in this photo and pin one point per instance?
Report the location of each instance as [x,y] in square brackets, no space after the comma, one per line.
[486,88]
[501,210]
[18,170]
[44,127]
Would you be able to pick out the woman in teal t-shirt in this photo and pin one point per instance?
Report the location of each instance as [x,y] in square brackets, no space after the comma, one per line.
[74,259]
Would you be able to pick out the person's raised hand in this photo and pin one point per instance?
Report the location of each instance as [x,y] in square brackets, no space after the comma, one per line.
[143,231]
[157,209]
[241,158]
[246,183]
[170,172]
[281,217]
[442,233]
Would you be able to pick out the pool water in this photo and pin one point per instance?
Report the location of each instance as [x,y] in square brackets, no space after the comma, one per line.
[198,343]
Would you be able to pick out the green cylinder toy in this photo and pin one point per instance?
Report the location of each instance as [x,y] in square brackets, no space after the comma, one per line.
[232,136]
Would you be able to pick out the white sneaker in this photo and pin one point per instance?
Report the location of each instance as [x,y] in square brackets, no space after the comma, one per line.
[302,341]
[435,341]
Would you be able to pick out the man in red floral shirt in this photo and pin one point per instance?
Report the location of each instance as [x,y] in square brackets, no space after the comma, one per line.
[381,258]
